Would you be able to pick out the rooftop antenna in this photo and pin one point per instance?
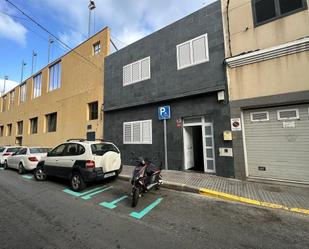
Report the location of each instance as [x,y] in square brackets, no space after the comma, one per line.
[91,7]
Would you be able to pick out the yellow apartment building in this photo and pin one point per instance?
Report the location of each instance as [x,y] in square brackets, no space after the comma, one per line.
[267,61]
[61,101]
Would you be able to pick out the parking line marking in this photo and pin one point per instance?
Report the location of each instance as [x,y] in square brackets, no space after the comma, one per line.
[89,196]
[112,205]
[141,214]
[78,194]
[29,177]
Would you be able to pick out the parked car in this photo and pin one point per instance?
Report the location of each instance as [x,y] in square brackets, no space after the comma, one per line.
[80,161]
[6,152]
[25,159]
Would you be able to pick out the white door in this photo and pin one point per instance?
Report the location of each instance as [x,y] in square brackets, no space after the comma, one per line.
[188,147]
[208,143]
[209,152]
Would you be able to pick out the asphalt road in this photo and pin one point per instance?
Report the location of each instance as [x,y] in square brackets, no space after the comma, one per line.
[41,215]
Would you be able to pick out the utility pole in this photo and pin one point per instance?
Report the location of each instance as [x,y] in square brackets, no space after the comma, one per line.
[91,7]
[4,83]
[50,41]
[23,63]
[34,54]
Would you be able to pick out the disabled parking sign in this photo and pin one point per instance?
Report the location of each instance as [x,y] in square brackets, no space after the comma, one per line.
[164,112]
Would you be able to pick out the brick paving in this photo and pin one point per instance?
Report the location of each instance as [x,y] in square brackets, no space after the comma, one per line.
[289,196]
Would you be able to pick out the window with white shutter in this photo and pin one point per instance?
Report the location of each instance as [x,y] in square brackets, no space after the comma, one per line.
[136,71]
[184,55]
[137,132]
[259,116]
[288,114]
[192,52]
[127,133]
[127,75]
[145,68]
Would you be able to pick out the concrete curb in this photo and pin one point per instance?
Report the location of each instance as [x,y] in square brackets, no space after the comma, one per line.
[222,195]
[235,198]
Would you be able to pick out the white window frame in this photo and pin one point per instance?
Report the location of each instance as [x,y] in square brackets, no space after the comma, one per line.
[140,71]
[59,83]
[95,46]
[260,120]
[23,93]
[191,52]
[37,92]
[293,118]
[12,99]
[141,132]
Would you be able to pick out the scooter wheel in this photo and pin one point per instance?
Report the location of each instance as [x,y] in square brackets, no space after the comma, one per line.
[135,196]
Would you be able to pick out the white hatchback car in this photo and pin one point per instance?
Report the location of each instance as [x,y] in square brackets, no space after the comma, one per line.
[80,161]
[25,159]
[6,152]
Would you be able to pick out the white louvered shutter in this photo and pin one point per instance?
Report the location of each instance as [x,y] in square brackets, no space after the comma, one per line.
[127,133]
[145,66]
[136,72]
[199,47]
[136,132]
[184,55]
[146,131]
[127,75]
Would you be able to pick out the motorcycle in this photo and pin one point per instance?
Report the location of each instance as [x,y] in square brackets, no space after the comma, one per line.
[146,176]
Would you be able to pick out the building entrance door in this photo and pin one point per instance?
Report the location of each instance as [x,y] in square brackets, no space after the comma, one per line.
[198,145]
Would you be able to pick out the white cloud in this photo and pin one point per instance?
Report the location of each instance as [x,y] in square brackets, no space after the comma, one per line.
[9,85]
[129,20]
[11,29]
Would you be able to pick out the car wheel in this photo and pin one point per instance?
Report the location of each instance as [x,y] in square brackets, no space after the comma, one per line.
[21,169]
[39,174]
[5,165]
[77,182]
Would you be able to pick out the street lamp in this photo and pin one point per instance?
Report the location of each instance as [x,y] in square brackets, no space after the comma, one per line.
[50,41]
[4,83]
[34,54]
[91,7]
[23,64]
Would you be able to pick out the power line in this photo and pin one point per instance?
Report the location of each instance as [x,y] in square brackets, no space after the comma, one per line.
[18,17]
[54,36]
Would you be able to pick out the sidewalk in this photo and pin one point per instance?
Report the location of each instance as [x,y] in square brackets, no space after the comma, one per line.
[290,198]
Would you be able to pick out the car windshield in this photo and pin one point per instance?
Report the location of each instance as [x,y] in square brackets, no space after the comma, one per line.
[38,150]
[1,150]
[102,148]
[13,149]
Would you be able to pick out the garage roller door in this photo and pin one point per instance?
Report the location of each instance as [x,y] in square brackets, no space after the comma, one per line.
[277,143]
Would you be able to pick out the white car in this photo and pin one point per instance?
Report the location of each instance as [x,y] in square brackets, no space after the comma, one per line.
[25,159]
[80,161]
[6,152]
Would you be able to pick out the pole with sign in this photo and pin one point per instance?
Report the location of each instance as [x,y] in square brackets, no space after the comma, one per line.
[164,113]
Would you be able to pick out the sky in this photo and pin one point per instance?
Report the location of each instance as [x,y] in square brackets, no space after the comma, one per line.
[129,21]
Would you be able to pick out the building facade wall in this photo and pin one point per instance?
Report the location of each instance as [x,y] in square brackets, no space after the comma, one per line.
[279,80]
[189,92]
[81,83]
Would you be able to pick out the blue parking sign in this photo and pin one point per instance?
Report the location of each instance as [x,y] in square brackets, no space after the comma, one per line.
[164,112]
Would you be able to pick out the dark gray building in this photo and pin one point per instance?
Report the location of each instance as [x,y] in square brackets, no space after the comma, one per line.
[181,66]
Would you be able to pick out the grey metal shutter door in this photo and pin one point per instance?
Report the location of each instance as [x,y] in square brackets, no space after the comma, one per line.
[282,152]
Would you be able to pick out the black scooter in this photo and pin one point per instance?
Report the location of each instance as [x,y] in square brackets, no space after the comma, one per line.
[146,176]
